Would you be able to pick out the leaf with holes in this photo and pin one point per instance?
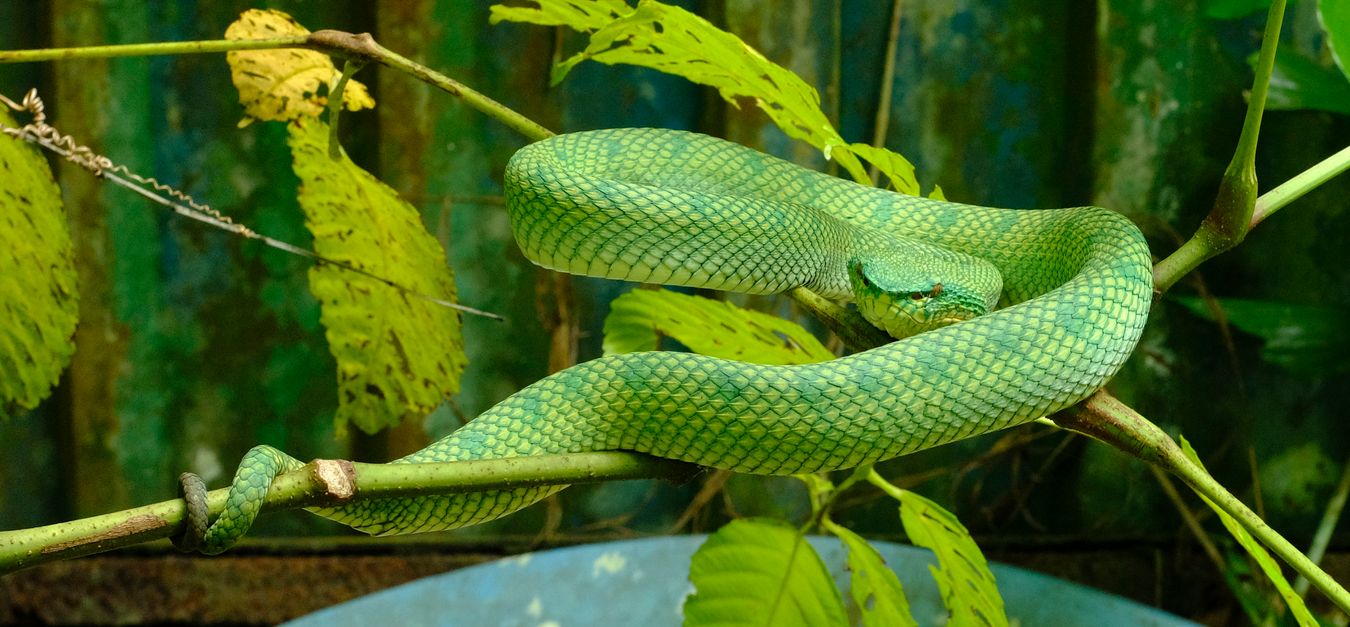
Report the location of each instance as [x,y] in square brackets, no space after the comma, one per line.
[38,296]
[709,327]
[398,355]
[284,84]
[1258,553]
[584,16]
[874,587]
[962,574]
[759,571]
[675,41]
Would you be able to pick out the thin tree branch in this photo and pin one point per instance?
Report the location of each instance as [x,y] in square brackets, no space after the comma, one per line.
[332,483]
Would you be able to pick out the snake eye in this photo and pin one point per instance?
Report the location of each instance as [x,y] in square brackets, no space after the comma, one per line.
[937,289]
[918,295]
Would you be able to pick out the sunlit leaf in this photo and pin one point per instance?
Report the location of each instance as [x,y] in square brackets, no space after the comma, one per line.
[398,355]
[707,326]
[962,574]
[1298,82]
[897,169]
[38,296]
[874,587]
[1258,553]
[1310,340]
[761,572]
[1335,18]
[675,41]
[584,16]
[284,84]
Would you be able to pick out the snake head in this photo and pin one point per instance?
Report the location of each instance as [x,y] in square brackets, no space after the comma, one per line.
[905,301]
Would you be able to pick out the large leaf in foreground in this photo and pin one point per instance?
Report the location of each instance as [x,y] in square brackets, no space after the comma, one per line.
[288,83]
[398,354]
[1258,553]
[760,572]
[708,327]
[963,576]
[874,587]
[38,297]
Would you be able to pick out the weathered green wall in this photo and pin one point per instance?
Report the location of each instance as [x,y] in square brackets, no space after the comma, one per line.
[194,345]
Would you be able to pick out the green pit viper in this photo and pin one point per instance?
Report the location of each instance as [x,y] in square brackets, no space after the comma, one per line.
[680,208]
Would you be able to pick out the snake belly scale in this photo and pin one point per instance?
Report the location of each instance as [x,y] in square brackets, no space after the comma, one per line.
[681,208]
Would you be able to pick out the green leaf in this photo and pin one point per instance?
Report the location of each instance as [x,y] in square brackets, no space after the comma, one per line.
[38,295]
[1309,340]
[675,41]
[962,574]
[1232,9]
[1335,18]
[1298,82]
[709,327]
[398,355]
[1258,553]
[583,16]
[760,572]
[874,587]
[897,169]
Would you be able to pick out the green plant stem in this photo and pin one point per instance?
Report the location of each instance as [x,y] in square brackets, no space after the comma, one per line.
[339,43]
[1296,187]
[336,99]
[152,49]
[1105,418]
[331,483]
[1227,223]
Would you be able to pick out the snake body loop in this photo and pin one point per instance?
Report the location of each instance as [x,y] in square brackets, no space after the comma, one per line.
[680,208]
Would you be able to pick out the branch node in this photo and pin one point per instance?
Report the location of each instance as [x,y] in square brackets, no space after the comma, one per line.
[335,477]
[350,45]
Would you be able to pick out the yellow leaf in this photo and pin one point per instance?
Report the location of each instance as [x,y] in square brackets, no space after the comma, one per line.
[284,84]
[398,356]
[38,294]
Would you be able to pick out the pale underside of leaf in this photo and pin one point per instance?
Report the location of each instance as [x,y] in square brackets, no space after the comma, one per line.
[709,327]
[285,84]
[675,41]
[962,574]
[398,355]
[1258,553]
[38,295]
[760,572]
